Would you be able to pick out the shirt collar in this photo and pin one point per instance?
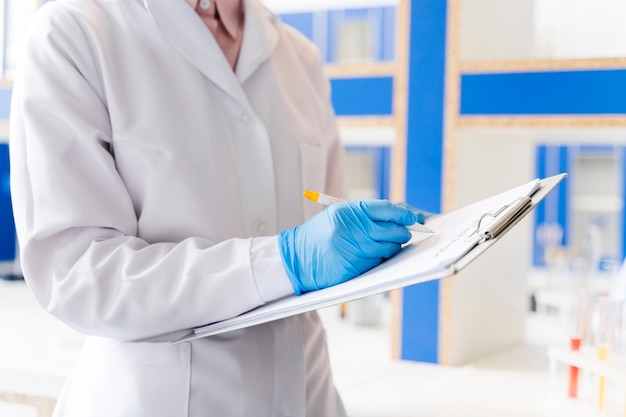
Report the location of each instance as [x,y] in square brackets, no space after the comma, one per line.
[230,12]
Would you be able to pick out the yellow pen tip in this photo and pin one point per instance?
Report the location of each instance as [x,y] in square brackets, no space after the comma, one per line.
[311,195]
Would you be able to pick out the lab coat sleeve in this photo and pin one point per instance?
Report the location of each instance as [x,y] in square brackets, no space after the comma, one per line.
[77,226]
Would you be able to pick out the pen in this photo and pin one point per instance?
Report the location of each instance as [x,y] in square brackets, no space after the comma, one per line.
[327,200]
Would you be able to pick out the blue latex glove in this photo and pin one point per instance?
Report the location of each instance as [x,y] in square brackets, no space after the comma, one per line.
[343,241]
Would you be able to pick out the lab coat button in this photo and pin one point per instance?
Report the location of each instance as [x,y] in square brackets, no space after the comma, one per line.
[244,118]
[261,228]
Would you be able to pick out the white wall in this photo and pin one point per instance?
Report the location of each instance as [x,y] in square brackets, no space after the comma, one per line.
[580,28]
[495,29]
[542,29]
[489,299]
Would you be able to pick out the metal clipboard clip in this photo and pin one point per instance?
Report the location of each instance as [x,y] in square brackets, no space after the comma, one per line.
[504,217]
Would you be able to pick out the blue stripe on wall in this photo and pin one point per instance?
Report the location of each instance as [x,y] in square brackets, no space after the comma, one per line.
[420,311]
[558,92]
[551,160]
[362,96]
[320,33]
[540,210]
[388,43]
[563,193]
[334,19]
[360,14]
[384,172]
[5,103]
[7,225]
[623,225]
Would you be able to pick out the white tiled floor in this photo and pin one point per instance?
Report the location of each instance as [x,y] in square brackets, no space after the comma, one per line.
[511,383]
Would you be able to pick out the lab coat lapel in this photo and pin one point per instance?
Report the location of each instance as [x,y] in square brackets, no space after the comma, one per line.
[260,37]
[180,24]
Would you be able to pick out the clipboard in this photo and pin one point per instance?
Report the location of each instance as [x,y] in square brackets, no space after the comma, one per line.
[460,237]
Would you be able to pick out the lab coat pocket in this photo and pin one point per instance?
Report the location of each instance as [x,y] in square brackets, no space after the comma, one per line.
[314,161]
[115,379]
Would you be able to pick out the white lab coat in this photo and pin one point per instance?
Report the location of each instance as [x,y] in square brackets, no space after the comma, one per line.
[149,182]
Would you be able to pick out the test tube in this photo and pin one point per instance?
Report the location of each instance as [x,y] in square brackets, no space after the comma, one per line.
[605,333]
[578,333]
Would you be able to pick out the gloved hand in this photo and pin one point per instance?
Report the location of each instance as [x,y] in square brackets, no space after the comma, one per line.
[343,241]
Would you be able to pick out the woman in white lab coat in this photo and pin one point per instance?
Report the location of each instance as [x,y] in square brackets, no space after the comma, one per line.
[149,183]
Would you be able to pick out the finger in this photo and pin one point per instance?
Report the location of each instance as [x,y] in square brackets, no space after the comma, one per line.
[422,215]
[388,232]
[367,247]
[381,250]
[385,211]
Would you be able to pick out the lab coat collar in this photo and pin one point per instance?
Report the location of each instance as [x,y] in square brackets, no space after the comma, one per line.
[180,24]
[260,37]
